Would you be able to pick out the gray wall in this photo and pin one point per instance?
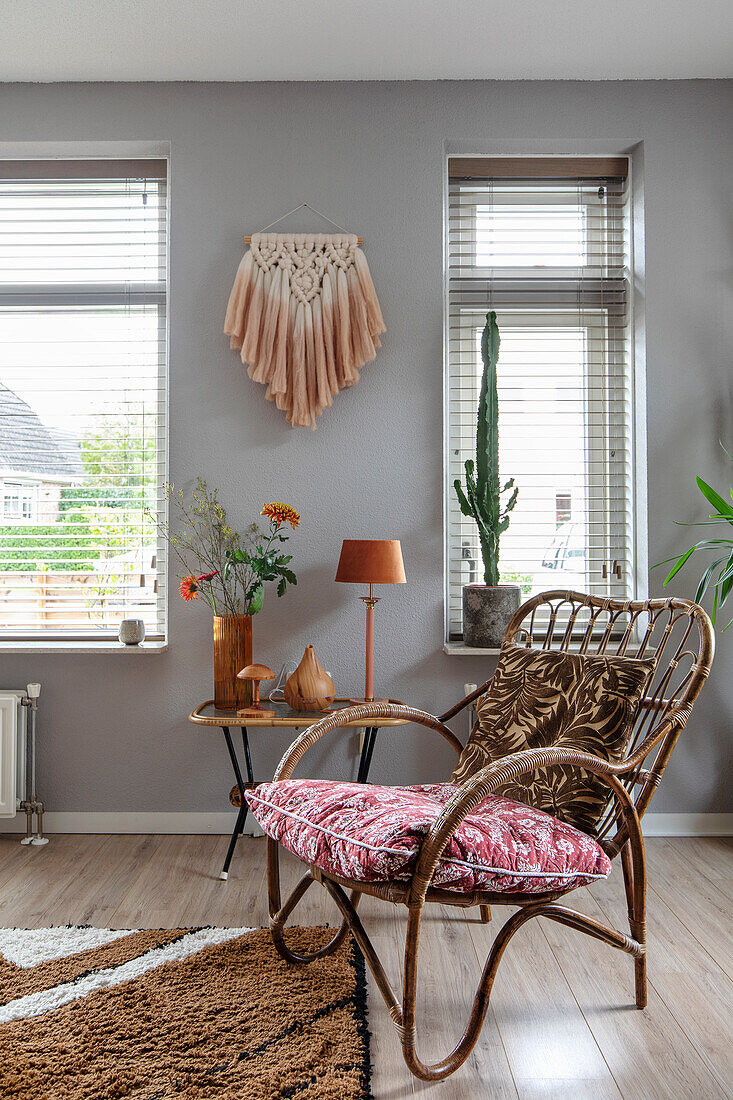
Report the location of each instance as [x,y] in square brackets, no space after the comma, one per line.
[115,735]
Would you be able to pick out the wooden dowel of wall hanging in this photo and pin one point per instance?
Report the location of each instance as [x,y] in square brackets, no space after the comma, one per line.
[248,239]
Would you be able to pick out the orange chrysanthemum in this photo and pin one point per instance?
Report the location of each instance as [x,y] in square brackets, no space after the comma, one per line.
[280,513]
[189,588]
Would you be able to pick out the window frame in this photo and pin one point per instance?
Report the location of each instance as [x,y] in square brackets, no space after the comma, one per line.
[636,529]
[104,294]
[23,495]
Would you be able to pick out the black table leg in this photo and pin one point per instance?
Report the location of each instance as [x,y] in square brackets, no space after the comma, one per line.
[239,826]
[233,758]
[243,807]
[367,751]
[370,753]
[245,746]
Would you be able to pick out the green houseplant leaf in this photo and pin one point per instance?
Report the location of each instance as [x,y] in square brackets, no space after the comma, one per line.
[717,501]
[705,580]
[257,598]
[719,573]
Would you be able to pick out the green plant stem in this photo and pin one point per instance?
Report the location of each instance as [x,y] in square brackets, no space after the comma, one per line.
[482,498]
[203,543]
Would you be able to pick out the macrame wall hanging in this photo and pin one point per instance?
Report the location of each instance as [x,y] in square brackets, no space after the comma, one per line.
[304,315]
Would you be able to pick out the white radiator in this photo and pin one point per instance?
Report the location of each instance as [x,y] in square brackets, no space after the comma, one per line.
[12,750]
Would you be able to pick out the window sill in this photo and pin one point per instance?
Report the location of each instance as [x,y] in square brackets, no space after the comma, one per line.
[458,649]
[109,646]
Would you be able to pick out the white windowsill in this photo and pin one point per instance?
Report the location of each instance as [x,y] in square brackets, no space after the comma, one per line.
[106,646]
[458,649]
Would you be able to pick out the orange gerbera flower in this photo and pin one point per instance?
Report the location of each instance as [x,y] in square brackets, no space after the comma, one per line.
[189,588]
[279,513]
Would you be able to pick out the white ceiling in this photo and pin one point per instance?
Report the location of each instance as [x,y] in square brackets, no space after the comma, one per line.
[49,40]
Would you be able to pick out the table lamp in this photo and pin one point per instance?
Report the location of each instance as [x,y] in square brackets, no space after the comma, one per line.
[256,673]
[370,561]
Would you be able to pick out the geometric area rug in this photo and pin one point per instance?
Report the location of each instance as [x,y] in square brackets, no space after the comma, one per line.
[198,1013]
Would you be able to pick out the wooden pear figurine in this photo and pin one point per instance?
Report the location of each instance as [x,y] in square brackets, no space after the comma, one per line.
[256,673]
[310,687]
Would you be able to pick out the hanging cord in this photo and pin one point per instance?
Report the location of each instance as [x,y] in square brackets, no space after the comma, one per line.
[248,238]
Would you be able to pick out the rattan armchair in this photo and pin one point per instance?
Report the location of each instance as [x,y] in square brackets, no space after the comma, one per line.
[679,634]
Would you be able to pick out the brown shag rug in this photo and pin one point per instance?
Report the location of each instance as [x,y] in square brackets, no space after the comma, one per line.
[90,1013]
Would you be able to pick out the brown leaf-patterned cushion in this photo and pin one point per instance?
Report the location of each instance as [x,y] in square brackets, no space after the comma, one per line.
[539,699]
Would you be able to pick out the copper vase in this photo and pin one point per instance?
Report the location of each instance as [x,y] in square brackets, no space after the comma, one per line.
[232,652]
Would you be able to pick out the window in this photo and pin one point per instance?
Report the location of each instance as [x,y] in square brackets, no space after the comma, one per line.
[18,503]
[83,277]
[545,243]
[563,507]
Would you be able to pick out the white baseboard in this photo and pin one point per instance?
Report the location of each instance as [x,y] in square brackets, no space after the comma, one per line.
[144,821]
[687,824]
[155,822]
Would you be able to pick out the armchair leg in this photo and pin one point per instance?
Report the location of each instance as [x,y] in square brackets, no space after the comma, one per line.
[485,911]
[279,913]
[277,927]
[635,886]
[640,981]
[404,1015]
[628,878]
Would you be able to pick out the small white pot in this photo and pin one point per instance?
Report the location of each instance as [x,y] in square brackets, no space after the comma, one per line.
[132,631]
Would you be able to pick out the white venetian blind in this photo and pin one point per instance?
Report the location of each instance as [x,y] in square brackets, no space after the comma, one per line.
[545,243]
[83,277]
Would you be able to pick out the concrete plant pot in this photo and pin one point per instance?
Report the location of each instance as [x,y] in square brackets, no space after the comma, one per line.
[486,613]
[132,631]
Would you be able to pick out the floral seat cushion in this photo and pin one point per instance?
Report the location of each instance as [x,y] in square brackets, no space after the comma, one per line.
[373,834]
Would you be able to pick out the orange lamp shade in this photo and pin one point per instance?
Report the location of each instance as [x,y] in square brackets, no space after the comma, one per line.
[371,561]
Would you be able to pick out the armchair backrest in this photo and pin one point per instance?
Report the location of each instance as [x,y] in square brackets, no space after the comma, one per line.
[676,632]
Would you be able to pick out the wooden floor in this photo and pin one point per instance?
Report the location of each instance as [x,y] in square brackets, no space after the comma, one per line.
[561,1022]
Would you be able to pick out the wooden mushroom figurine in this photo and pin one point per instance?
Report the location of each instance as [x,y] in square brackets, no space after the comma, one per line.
[310,687]
[256,673]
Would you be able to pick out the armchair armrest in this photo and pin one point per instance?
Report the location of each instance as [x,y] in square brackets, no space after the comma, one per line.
[463,703]
[676,718]
[470,793]
[363,712]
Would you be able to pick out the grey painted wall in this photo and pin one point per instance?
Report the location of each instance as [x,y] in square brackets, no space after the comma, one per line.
[115,734]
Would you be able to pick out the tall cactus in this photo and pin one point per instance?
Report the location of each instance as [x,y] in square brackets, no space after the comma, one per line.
[482,499]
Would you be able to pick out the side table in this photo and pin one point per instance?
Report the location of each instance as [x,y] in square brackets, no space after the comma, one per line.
[206,714]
